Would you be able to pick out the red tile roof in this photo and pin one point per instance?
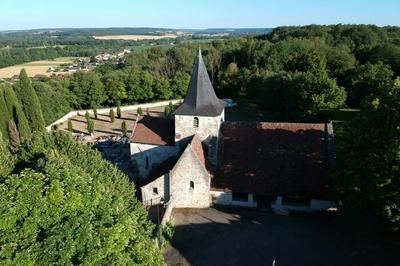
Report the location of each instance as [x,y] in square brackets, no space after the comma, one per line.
[272,159]
[154,130]
[198,149]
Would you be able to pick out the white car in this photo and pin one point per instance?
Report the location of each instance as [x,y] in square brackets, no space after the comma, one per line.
[229,103]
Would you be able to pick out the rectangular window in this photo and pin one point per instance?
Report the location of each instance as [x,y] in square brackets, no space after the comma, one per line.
[155,191]
[240,196]
[295,200]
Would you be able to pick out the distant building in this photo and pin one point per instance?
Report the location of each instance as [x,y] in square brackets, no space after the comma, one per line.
[15,78]
[197,159]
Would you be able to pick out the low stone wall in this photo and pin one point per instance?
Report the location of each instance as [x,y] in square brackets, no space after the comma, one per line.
[226,199]
[144,106]
[167,215]
[314,206]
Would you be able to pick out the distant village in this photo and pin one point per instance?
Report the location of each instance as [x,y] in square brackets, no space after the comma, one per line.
[80,64]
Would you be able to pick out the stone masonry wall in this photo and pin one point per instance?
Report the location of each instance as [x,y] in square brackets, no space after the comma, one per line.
[162,185]
[155,154]
[188,168]
[207,126]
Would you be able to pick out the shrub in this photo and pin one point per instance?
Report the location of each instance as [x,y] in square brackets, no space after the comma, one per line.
[124,129]
[167,232]
[169,109]
[140,111]
[70,128]
[90,126]
[95,112]
[87,116]
[112,115]
[119,112]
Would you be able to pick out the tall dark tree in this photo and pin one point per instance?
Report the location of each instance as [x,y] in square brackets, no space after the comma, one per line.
[4,115]
[16,113]
[368,172]
[30,102]
[13,134]
[7,160]
[71,207]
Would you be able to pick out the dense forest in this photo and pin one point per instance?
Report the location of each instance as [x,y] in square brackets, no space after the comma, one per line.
[295,73]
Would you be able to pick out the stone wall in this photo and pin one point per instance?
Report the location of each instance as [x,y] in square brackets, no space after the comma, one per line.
[155,154]
[208,126]
[107,110]
[189,169]
[314,206]
[149,197]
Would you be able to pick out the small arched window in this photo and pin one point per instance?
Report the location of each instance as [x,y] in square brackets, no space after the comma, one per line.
[191,186]
[195,122]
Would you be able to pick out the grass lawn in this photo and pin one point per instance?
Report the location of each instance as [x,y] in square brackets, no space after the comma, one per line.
[35,67]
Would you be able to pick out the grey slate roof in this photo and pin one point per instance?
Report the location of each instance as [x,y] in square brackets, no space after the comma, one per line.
[200,99]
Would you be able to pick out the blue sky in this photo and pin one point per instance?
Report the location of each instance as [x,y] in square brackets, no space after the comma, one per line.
[24,14]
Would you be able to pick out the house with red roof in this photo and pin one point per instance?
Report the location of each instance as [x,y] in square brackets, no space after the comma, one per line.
[197,159]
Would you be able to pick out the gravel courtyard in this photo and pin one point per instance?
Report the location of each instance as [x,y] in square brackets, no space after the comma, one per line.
[251,237]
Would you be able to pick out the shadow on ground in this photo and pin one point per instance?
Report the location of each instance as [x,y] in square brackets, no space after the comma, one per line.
[250,237]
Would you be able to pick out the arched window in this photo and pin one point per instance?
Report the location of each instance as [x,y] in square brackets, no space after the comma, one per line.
[191,186]
[195,122]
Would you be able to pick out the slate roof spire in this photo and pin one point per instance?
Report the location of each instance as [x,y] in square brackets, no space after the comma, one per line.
[201,99]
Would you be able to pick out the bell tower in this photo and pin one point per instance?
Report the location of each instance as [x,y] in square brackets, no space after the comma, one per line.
[201,112]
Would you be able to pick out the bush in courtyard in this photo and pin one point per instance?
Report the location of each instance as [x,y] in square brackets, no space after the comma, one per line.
[119,112]
[169,109]
[140,111]
[87,116]
[90,126]
[112,115]
[124,129]
[95,112]
[70,128]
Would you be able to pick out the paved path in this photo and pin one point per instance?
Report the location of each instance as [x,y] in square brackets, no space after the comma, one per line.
[249,237]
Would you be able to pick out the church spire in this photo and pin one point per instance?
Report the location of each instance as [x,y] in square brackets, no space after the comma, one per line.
[200,99]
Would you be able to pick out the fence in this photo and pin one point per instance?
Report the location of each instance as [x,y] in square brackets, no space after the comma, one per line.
[107,110]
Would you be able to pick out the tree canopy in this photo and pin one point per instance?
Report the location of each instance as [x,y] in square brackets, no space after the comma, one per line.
[69,206]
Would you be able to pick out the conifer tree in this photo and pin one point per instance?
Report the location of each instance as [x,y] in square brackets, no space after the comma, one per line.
[70,128]
[140,110]
[124,129]
[16,113]
[87,116]
[13,133]
[112,115]
[90,126]
[119,112]
[4,116]
[6,159]
[30,102]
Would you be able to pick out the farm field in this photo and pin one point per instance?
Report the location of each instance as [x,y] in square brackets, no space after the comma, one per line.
[135,37]
[35,67]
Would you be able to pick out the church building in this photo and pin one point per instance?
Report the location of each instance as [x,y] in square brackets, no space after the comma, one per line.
[197,159]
